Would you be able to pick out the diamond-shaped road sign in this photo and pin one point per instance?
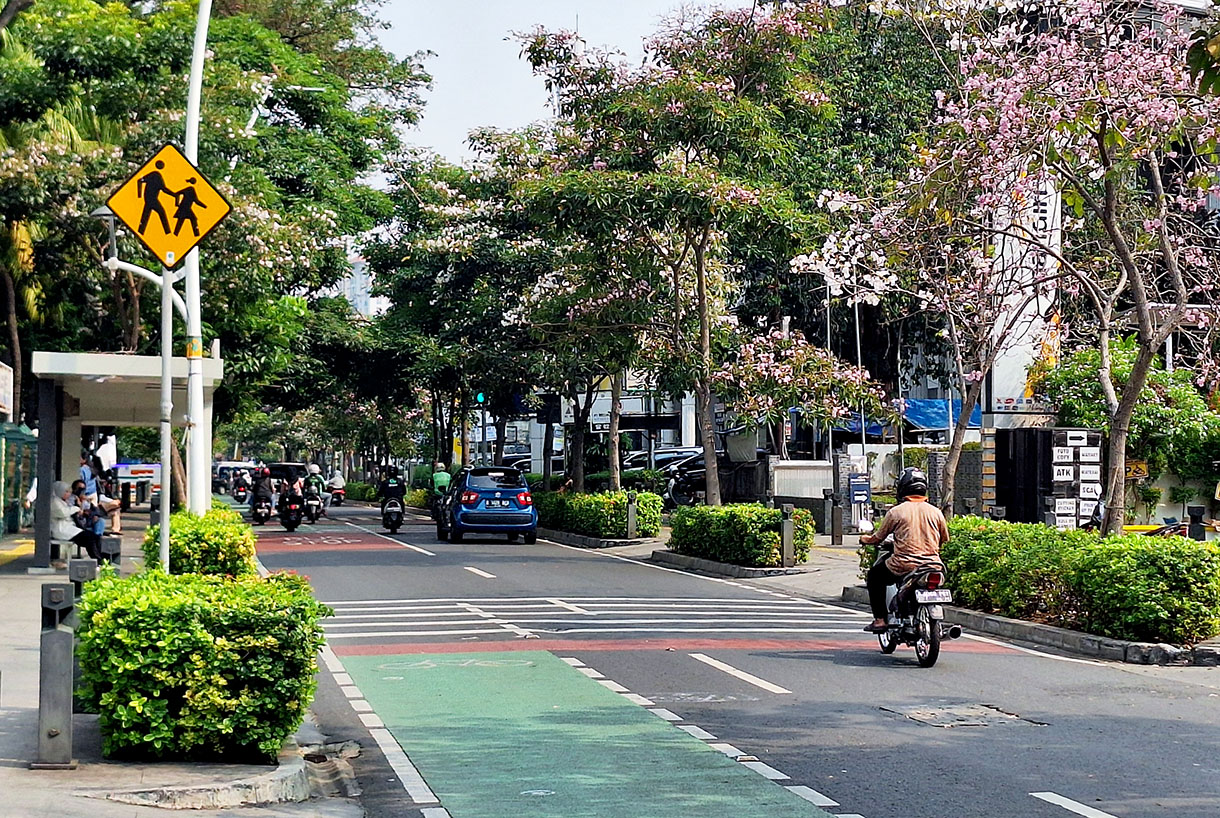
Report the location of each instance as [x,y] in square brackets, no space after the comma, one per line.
[169,205]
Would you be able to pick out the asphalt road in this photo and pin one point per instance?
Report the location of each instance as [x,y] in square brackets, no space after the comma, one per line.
[547,680]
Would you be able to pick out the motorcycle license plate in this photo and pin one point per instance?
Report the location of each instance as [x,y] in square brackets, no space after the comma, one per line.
[497,503]
[940,595]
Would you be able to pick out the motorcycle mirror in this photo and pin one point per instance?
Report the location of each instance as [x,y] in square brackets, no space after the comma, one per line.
[866,527]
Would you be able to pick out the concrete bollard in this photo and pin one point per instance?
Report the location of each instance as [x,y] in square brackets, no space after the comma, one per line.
[81,571]
[632,516]
[112,548]
[787,536]
[55,680]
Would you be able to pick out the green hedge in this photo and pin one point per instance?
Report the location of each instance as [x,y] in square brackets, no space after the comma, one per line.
[360,491]
[198,667]
[638,479]
[534,479]
[1150,589]
[739,534]
[598,515]
[418,498]
[219,542]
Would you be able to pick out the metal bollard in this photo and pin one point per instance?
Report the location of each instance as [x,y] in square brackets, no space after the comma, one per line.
[836,519]
[81,571]
[787,536]
[55,680]
[1196,530]
[632,523]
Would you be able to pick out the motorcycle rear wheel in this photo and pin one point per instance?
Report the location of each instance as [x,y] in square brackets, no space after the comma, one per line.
[290,527]
[927,639]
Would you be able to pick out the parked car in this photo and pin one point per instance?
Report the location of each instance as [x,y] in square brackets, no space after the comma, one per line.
[662,457]
[287,471]
[223,472]
[488,500]
[525,464]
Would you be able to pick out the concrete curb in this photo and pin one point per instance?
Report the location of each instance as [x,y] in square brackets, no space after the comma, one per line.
[289,782]
[720,569]
[581,541]
[1077,642]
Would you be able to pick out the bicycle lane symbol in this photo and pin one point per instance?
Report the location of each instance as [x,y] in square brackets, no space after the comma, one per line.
[432,664]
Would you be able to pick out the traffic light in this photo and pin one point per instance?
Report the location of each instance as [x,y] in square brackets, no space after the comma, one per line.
[480,398]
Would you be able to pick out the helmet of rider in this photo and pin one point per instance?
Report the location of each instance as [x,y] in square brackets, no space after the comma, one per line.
[911,483]
[391,471]
[438,466]
[314,468]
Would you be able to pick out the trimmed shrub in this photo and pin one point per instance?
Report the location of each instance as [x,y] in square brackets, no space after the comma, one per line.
[219,542]
[598,515]
[738,534]
[1152,589]
[360,491]
[534,479]
[198,667]
[421,476]
[418,498]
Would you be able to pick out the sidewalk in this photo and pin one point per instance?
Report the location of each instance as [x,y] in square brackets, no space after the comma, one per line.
[84,791]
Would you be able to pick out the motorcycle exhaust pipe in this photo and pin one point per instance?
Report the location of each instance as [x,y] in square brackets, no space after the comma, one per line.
[954,632]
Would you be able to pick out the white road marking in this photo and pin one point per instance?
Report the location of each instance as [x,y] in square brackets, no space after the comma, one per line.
[351,692]
[636,698]
[569,606]
[368,634]
[727,749]
[739,674]
[668,715]
[337,625]
[591,673]
[508,626]
[391,539]
[813,797]
[361,706]
[412,781]
[766,771]
[612,685]
[1033,652]
[371,720]
[435,812]
[572,662]
[330,660]
[343,680]
[482,574]
[696,731]
[1073,806]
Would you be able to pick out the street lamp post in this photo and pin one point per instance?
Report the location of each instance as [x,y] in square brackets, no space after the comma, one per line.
[199,426]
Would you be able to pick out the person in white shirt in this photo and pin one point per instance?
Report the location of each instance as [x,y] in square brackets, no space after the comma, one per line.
[63,522]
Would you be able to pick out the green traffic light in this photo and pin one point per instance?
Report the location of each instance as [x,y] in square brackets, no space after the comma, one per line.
[479,397]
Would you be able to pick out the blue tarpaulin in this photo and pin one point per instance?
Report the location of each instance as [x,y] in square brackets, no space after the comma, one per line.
[932,414]
[921,413]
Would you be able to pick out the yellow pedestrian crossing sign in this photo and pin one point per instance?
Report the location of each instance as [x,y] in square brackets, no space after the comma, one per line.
[169,205]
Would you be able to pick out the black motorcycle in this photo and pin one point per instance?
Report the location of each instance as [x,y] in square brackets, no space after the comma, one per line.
[241,494]
[391,515]
[292,511]
[260,512]
[916,612]
[313,506]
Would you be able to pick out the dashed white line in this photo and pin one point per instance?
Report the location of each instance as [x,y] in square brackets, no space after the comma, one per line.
[696,731]
[591,673]
[1070,805]
[668,715]
[615,686]
[727,749]
[813,797]
[636,698]
[412,781]
[435,812]
[371,720]
[739,674]
[482,574]
[424,551]
[765,770]
[343,680]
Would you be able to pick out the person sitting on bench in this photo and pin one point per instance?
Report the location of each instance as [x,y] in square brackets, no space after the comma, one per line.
[64,525]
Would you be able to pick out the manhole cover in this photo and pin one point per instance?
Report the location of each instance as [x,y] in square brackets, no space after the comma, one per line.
[961,715]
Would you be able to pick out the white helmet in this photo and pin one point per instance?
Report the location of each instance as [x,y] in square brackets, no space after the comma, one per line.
[314,468]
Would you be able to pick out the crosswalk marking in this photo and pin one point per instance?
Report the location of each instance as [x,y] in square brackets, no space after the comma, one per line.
[585,615]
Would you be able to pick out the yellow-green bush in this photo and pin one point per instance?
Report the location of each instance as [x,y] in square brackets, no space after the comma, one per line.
[219,542]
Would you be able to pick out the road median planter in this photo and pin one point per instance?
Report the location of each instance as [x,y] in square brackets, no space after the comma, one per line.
[719,569]
[743,535]
[598,516]
[581,541]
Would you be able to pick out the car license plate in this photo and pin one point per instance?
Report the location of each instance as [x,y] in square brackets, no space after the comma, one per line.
[497,503]
[941,595]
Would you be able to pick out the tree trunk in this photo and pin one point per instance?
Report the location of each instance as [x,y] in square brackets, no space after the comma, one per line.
[14,342]
[969,399]
[11,9]
[501,425]
[580,427]
[616,410]
[1120,430]
[179,473]
[703,386]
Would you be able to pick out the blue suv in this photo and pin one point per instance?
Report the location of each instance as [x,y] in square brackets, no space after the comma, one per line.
[488,500]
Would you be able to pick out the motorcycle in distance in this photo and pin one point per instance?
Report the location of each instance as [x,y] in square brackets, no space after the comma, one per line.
[292,509]
[313,506]
[240,494]
[260,511]
[337,496]
[916,609]
[391,515]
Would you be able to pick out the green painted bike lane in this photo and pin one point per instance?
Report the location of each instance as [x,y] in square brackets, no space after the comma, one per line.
[523,733]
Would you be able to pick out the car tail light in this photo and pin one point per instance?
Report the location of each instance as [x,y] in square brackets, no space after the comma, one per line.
[934,580]
[525,499]
[470,498]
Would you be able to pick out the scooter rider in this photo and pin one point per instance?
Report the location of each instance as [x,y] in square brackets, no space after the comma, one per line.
[441,480]
[919,530]
[263,487]
[391,487]
[315,483]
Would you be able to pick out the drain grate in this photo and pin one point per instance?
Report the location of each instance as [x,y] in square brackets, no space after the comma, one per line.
[962,715]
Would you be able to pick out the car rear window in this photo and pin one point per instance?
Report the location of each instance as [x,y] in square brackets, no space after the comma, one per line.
[499,479]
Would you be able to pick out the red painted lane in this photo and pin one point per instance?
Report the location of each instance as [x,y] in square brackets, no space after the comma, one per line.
[562,645]
[275,541]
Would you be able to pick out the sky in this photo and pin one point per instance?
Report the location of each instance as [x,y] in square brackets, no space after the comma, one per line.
[478,75]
